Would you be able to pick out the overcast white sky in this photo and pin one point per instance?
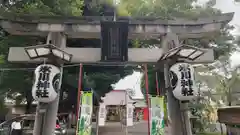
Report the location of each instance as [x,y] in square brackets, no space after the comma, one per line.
[133,81]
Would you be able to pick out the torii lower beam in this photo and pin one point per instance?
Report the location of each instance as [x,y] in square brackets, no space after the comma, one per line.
[93,55]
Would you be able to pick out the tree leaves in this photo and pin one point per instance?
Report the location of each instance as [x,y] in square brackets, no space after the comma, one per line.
[172,9]
[45,7]
[96,77]
[23,79]
[224,80]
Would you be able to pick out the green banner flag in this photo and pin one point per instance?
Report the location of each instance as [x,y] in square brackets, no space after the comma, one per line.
[85,117]
[157,115]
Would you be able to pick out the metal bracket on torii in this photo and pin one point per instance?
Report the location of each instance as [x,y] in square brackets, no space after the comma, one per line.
[174,51]
[50,52]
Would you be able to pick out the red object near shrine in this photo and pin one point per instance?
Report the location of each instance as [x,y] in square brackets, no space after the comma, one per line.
[58,126]
[145,114]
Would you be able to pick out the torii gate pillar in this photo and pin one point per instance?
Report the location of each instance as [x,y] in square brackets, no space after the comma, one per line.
[178,114]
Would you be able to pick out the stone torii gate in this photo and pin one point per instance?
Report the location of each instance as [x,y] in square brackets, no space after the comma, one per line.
[90,27]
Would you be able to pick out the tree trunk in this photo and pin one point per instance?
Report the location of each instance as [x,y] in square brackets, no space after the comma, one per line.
[229,104]
[221,128]
[28,107]
[29,100]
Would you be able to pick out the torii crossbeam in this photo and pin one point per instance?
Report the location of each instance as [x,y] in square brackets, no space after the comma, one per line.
[89,27]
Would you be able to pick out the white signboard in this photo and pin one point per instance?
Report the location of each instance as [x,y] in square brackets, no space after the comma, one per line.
[130,111]
[183,81]
[46,85]
[102,114]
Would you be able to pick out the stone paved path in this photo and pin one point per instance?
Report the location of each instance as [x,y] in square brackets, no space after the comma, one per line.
[115,128]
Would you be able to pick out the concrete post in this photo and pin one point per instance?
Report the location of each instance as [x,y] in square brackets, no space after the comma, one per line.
[39,119]
[186,119]
[126,104]
[97,120]
[177,124]
[49,124]
[45,122]
[58,40]
[173,106]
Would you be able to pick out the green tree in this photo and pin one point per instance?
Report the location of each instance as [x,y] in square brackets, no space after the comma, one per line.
[44,7]
[223,81]
[171,9]
[99,78]
[202,110]
[22,79]
[2,96]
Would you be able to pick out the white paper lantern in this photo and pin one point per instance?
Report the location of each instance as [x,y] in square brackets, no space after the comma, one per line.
[46,85]
[183,81]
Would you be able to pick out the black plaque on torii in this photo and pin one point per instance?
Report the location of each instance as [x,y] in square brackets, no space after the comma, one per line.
[114,41]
